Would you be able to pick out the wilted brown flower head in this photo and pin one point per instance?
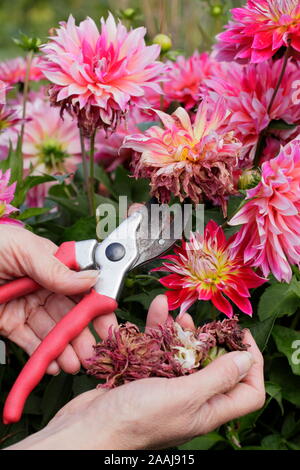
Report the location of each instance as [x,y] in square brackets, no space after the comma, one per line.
[168,351]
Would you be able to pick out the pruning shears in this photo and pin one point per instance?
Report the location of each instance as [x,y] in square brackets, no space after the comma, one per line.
[137,240]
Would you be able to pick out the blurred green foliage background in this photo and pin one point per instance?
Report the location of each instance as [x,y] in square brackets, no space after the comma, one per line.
[191,23]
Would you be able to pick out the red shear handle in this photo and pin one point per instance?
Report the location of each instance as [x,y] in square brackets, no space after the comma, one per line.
[25,285]
[90,307]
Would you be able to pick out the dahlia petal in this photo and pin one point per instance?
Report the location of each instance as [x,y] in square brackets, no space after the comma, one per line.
[243,303]
[222,304]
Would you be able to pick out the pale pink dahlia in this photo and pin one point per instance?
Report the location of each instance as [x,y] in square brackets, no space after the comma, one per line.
[14,70]
[188,160]
[51,143]
[247,91]
[98,75]
[259,30]
[207,268]
[184,77]
[270,235]
[7,193]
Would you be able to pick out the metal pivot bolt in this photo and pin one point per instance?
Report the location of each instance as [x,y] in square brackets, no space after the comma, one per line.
[115,251]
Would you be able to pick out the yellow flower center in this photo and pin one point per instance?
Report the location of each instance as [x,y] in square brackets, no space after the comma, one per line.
[2,208]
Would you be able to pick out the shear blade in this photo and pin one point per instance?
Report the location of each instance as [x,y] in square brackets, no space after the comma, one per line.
[159,230]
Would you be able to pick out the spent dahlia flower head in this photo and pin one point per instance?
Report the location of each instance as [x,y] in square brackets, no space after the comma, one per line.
[98,75]
[270,234]
[187,160]
[207,268]
[167,351]
[184,77]
[259,30]
[247,91]
[14,70]
[7,193]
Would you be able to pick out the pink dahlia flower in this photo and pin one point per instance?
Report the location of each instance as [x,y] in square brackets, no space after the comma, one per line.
[259,30]
[270,233]
[186,160]
[14,70]
[184,77]
[98,75]
[109,151]
[3,90]
[247,91]
[7,193]
[51,143]
[207,268]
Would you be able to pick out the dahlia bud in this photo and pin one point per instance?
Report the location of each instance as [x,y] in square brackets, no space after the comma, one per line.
[163,41]
[129,13]
[249,179]
[216,10]
[213,354]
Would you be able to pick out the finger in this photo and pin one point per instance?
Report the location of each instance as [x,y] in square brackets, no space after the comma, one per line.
[103,323]
[36,257]
[83,346]
[158,312]
[186,321]
[58,306]
[218,377]
[134,207]
[24,337]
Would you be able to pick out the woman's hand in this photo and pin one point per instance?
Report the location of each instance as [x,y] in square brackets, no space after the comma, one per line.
[27,320]
[158,413]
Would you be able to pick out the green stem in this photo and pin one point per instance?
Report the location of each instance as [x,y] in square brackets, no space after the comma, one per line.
[25,95]
[92,170]
[261,138]
[84,160]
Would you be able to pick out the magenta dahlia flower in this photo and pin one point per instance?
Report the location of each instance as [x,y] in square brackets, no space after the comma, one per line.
[14,70]
[184,77]
[188,160]
[247,91]
[7,193]
[259,30]
[270,233]
[207,268]
[98,75]
[167,351]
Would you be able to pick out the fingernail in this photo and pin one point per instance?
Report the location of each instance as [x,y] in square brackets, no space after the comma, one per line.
[89,274]
[244,361]
[77,372]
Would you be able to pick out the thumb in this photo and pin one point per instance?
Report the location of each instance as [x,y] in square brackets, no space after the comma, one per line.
[220,376]
[39,262]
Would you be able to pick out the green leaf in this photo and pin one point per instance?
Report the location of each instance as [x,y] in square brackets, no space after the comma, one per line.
[203,442]
[56,395]
[273,442]
[144,126]
[83,383]
[32,212]
[261,330]
[102,176]
[282,375]
[144,298]
[279,300]
[125,315]
[274,390]
[280,124]
[76,206]
[83,229]
[288,343]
